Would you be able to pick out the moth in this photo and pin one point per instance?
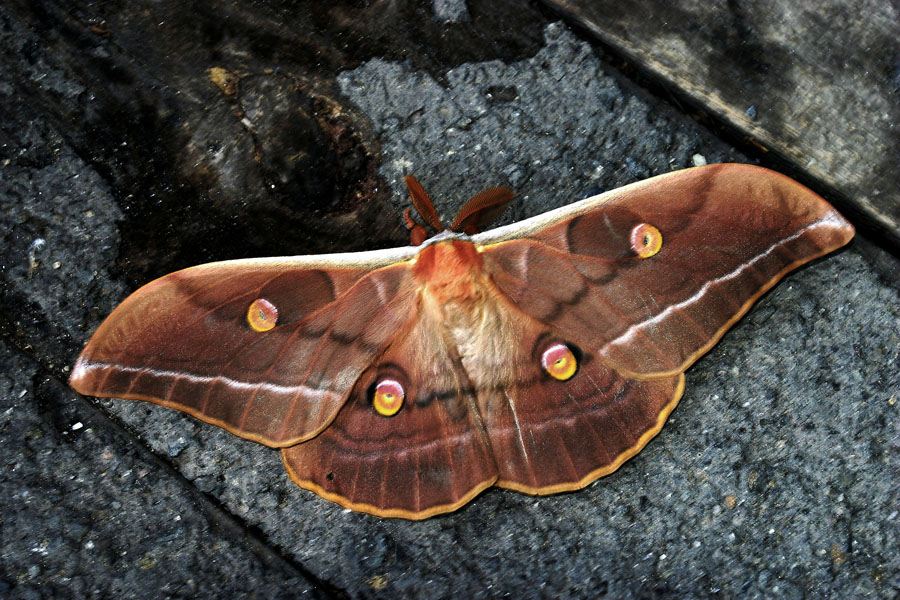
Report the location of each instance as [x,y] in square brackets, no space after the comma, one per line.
[536,356]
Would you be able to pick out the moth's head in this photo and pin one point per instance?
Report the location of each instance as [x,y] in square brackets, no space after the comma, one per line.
[477,212]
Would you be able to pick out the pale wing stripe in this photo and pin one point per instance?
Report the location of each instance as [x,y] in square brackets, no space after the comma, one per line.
[831,220]
[512,407]
[613,307]
[150,323]
[239,351]
[82,368]
[134,380]
[171,391]
[251,401]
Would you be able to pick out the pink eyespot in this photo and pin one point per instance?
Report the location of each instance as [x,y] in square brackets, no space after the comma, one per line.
[262,315]
[646,240]
[559,362]
[388,397]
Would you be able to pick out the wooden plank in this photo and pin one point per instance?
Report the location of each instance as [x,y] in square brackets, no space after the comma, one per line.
[817,83]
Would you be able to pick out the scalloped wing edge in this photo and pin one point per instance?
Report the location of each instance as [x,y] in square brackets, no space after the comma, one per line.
[397,513]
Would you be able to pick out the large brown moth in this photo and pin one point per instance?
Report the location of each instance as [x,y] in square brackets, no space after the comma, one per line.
[537,356]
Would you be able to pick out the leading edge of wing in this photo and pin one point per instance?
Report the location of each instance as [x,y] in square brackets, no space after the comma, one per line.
[367,259]
[534,224]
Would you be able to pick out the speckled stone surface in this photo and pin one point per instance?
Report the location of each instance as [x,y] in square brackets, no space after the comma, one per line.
[775,477]
[86,514]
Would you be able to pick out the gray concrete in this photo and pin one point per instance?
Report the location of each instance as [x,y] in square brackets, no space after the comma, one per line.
[775,477]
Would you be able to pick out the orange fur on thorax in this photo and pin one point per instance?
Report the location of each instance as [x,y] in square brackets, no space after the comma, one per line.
[448,271]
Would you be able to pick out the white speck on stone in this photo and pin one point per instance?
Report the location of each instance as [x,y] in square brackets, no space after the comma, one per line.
[77,426]
[403,165]
[41,549]
[452,11]
[699,160]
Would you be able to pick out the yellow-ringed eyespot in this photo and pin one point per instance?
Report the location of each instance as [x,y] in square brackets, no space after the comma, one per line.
[388,397]
[262,315]
[646,240]
[559,362]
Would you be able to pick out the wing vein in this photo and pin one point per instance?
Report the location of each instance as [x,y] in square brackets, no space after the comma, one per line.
[629,333]
[323,341]
[520,438]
